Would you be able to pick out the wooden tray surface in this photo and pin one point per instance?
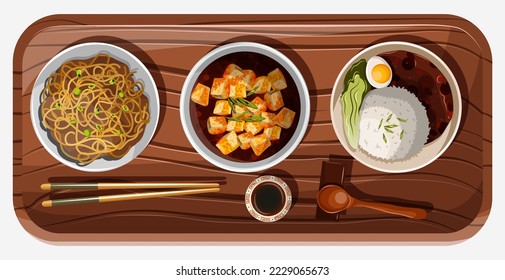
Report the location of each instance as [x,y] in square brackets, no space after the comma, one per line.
[456,188]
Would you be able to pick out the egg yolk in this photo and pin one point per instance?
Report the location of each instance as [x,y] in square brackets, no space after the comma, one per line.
[381,73]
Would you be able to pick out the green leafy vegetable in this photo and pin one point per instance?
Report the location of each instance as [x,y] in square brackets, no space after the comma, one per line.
[352,98]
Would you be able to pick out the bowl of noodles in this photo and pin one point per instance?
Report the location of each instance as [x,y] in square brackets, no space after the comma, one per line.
[94,107]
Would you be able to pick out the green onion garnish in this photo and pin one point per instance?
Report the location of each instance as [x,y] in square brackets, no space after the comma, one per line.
[125,108]
[384,138]
[231,106]
[91,86]
[97,110]
[380,124]
[57,105]
[252,91]
[121,94]
[401,134]
[80,109]
[98,127]
[389,117]
[118,132]
[111,82]
[248,103]
[73,121]
[78,73]
[401,119]
[87,133]
[254,119]
[77,91]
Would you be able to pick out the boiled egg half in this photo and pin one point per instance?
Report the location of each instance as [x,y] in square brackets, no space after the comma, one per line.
[378,72]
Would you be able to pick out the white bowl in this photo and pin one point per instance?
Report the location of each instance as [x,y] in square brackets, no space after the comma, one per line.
[431,151]
[84,51]
[219,160]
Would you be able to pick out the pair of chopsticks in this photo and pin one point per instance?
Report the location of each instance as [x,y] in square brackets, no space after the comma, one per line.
[182,189]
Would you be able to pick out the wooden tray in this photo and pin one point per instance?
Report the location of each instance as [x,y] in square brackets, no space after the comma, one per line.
[456,188]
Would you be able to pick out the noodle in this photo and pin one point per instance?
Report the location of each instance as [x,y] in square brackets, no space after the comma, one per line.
[93,108]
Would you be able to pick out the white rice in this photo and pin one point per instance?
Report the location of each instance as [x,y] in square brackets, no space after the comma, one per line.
[405,113]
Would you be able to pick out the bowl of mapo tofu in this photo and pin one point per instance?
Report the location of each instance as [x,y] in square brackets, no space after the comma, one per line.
[245,107]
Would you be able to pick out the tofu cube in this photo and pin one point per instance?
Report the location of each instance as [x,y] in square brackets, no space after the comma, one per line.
[277,79]
[235,126]
[228,143]
[222,108]
[238,89]
[233,72]
[267,122]
[260,143]
[245,140]
[200,94]
[253,127]
[249,77]
[239,111]
[220,88]
[263,85]
[273,133]
[260,103]
[216,125]
[274,100]
[284,118]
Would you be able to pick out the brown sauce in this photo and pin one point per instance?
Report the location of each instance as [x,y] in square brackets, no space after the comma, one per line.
[419,76]
[261,65]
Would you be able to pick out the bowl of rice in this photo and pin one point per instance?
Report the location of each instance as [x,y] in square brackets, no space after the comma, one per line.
[396,107]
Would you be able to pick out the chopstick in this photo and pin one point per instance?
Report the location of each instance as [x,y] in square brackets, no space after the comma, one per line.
[123,197]
[116,186]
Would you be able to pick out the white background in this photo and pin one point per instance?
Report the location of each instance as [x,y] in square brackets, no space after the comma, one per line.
[16,244]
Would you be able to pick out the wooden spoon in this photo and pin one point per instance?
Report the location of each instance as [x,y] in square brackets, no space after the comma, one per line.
[333,199]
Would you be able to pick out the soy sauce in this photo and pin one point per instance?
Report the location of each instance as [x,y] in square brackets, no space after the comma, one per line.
[268,199]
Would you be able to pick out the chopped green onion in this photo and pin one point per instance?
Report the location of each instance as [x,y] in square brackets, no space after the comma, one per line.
[111,82]
[231,106]
[237,119]
[57,105]
[248,103]
[401,119]
[97,110]
[384,138]
[125,108]
[87,133]
[388,130]
[401,134]
[389,117]
[390,126]
[380,124]
[113,115]
[98,127]
[121,94]
[80,109]
[252,91]
[254,119]
[78,73]
[234,101]
[118,132]
[91,86]
[77,91]
[73,121]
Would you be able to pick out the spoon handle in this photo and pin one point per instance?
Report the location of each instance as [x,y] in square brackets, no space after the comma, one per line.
[409,212]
